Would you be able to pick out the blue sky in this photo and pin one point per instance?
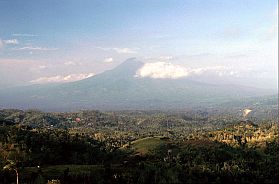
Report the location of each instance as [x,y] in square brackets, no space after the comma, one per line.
[54,39]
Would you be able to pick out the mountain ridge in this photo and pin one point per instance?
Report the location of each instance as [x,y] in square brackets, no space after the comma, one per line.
[119,89]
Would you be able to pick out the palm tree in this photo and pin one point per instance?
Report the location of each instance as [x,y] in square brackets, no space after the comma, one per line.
[11,165]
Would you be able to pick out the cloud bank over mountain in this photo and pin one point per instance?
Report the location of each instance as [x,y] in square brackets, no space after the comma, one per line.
[161,86]
[62,78]
[166,70]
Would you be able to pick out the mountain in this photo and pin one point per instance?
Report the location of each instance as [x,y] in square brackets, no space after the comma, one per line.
[120,89]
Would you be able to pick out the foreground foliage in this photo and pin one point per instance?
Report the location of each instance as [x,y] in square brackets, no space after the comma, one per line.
[95,147]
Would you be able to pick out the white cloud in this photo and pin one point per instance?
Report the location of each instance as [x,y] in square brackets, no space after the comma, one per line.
[62,78]
[24,35]
[160,58]
[125,50]
[166,58]
[108,60]
[222,73]
[104,48]
[8,42]
[11,42]
[37,48]
[164,70]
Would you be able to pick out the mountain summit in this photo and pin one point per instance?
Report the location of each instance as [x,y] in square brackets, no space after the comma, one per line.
[120,89]
[129,66]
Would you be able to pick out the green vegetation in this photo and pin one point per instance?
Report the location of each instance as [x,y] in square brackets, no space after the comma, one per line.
[148,144]
[139,147]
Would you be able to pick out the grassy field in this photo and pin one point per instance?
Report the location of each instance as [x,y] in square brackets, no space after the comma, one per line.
[148,144]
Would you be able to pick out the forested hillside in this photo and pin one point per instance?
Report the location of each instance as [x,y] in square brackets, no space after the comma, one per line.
[139,147]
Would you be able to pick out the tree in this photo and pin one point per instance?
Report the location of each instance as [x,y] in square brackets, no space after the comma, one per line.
[11,165]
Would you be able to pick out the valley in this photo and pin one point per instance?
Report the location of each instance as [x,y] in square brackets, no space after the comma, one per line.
[140,146]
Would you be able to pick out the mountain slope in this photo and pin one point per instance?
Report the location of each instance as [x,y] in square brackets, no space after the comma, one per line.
[119,89]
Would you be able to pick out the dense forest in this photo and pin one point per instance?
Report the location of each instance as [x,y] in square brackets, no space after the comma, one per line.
[199,146]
